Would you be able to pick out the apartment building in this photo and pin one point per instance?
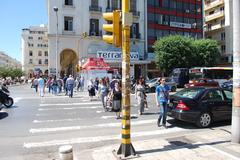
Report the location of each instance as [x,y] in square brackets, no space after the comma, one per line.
[34,50]
[75,34]
[172,17]
[9,62]
[218,26]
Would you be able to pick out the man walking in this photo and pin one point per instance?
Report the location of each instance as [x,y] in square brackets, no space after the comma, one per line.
[41,85]
[70,85]
[162,94]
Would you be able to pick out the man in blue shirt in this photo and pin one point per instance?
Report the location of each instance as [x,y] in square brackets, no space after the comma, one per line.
[41,85]
[162,95]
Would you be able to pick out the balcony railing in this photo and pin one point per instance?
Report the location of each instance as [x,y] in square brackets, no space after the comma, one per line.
[135,13]
[95,33]
[136,36]
[95,8]
[214,16]
[111,9]
[214,27]
[213,4]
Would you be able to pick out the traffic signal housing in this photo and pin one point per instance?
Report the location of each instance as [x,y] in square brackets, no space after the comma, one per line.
[115,28]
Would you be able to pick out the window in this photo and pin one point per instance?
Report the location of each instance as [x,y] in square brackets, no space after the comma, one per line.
[69,2]
[223,48]
[114,4]
[68,23]
[133,5]
[135,31]
[30,61]
[223,36]
[94,27]
[165,3]
[46,61]
[94,3]
[39,38]
[214,95]
[228,94]
[223,22]
[39,53]
[46,53]
[173,4]
[39,61]
[30,53]
[30,37]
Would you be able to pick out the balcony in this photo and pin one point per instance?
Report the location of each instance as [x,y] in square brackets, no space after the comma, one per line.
[214,28]
[213,4]
[214,16]
[95,8]
[95,33]
[135,13]
[135,36]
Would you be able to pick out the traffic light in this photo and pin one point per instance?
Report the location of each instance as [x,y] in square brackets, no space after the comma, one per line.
[115,28]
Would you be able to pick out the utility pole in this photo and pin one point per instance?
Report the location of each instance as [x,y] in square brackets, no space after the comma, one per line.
[126,148]
[236,73]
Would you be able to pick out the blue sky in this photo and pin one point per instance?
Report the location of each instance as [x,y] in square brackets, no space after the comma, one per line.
[16,15]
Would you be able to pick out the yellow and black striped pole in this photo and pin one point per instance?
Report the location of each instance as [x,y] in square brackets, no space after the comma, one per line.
[126,149]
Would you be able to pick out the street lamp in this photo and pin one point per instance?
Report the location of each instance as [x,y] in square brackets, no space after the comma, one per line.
[56,10]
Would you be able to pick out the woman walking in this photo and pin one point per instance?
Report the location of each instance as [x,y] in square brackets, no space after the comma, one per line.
[103,89]
[91,89]
[162,94]
[140,96]
[117,99]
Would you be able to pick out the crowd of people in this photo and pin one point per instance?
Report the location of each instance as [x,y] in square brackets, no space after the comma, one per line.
[109,92]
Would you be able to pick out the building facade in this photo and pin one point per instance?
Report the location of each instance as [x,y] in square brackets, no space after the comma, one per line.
[35,50]
[218,26]
[172,17]
[9,62]
[75,34]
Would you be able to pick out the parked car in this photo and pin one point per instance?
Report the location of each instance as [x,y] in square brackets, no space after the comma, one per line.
[153,83]
[228,84]
[204,82]
[201,105]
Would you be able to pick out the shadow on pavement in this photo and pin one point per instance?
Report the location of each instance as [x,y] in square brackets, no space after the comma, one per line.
[151,113]
[174,145]
[3,115]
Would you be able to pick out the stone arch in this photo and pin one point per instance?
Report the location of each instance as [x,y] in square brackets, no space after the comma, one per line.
[68,62]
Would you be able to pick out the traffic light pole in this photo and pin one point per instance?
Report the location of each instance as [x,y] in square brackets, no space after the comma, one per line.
[236,75]
[126,148]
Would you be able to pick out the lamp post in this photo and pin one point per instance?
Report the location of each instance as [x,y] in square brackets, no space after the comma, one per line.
[56,10]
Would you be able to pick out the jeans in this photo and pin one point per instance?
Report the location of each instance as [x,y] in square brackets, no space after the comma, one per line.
[70,90]
[163,113]
[54,88]
[103,99]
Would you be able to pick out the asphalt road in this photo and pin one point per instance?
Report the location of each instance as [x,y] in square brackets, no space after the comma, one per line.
[35,127]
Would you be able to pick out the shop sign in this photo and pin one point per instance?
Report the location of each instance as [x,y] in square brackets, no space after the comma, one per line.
[113,55]
[180,25]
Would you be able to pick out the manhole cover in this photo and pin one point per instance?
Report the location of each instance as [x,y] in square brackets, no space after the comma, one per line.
[180,141]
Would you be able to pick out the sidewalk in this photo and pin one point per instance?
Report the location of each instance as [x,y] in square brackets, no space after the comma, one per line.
[212,145]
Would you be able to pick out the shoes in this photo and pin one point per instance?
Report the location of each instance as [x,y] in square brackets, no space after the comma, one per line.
[158,123]
[165,126]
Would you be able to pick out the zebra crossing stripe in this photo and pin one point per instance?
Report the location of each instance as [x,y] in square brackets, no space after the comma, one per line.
[104,125]
[69,104]
[99,138]
[67,108]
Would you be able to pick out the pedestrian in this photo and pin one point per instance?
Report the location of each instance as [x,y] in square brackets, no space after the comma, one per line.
[103,92]
[140,95]
[64,84]
[49,84]
[54,85]
[76,83]
[162,95]
[70,85]
[116,94]
[91,89]
[60,84]
[35,84]
[81,83]
[41,85]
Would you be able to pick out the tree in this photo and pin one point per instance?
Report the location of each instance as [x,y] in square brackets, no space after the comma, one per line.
[206,52]
[173,52]
[182,52]
[10,72]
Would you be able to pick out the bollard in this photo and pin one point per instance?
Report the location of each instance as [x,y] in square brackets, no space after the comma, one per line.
[66,152]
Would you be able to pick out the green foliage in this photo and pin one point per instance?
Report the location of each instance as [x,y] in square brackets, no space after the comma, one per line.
[10,72]
[182,52]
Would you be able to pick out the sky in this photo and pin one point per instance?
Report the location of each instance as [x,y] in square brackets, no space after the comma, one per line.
[16,15]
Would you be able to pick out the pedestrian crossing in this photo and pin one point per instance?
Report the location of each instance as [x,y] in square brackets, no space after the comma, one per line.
[79,121]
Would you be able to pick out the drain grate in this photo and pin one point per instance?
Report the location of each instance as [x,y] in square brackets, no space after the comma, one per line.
[180,141]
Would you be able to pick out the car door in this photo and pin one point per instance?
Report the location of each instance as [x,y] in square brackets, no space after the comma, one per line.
[228,98]
[215,101]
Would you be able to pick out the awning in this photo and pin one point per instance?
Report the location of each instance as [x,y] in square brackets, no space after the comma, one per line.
[95,64]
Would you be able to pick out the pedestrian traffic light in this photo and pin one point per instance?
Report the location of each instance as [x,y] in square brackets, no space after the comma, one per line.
[115,28]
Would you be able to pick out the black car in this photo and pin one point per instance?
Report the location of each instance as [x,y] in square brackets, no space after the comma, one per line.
[201,105]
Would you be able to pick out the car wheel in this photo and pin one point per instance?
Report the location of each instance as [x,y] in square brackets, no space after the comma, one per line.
[204,120]
[173,89]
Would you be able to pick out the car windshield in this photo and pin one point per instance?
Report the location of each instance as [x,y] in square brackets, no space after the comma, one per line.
[189,93]
[152,80]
